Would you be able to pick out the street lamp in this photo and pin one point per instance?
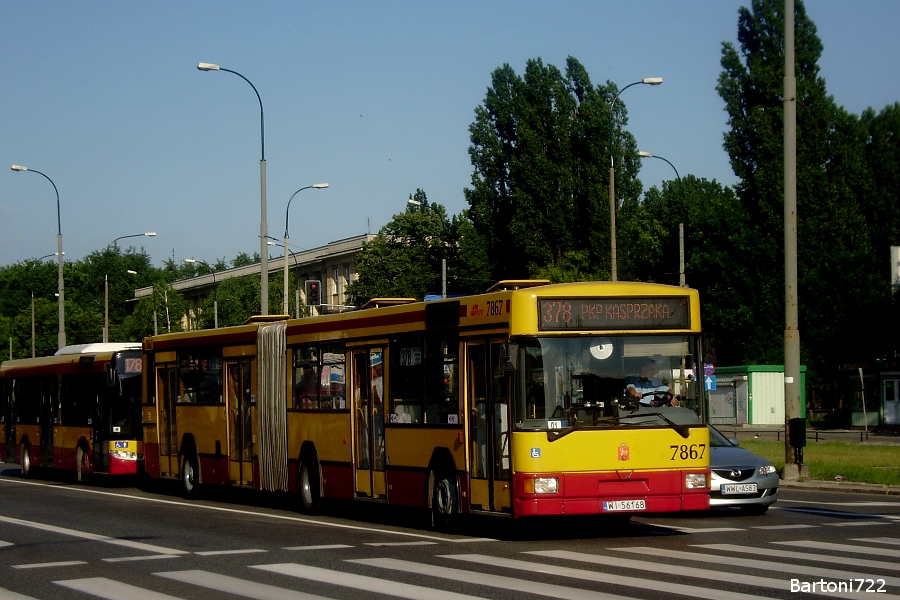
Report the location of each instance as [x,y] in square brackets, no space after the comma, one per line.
[263,226]
[681,280]
[212,271]
[31,276]
[317,186]
[122,237]
[115,245]
[614,276]
[61,336]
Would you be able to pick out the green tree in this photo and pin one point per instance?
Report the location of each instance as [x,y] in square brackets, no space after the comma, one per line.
[539,148]
[835,256]
[405,258]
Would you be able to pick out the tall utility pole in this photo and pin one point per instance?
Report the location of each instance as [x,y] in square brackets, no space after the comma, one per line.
[791,322]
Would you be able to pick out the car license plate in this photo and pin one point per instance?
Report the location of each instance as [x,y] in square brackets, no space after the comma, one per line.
[738,488]
[616,505]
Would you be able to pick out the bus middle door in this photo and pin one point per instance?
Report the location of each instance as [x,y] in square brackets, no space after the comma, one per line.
[488,398]
[368,422]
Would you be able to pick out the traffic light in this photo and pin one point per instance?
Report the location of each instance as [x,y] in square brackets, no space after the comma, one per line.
[313,298]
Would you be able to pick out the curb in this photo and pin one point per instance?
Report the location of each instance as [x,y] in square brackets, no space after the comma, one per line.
[841,486]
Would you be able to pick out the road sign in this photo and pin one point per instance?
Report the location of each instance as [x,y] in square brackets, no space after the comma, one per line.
[709,369]
[710,381]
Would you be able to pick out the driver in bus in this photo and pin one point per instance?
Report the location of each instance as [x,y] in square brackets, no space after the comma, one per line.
[648,388]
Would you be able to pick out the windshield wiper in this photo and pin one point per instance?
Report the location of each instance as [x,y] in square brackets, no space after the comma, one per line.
[555,434]
[682,430]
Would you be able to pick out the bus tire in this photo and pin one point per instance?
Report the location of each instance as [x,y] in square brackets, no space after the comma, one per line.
[25,459]
[189,475]
[82,464]
[444,501]
[309,484]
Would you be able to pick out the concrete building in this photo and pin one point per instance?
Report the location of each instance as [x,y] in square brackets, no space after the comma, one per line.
[334,265]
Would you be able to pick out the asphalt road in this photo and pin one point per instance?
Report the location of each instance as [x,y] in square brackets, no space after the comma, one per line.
[60,540]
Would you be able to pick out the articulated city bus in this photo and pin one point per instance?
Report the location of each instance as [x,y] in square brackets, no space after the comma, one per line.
[516,402]
[78,410]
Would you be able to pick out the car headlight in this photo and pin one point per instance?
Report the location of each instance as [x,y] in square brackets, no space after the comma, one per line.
[694,481]
[766,470]
[542,485]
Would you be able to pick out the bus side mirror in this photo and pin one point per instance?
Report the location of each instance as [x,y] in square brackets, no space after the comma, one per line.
[509,354]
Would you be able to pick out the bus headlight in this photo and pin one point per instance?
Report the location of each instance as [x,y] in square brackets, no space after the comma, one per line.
[694,481]
[542,485]
[123,455]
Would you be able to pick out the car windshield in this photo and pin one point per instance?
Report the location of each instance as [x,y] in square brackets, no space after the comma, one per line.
[717,439]
[611,381]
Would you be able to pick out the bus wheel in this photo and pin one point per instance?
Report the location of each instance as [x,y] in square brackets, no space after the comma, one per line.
[25,460]
[190,484]
[444,502]
[82,464]
[310,490]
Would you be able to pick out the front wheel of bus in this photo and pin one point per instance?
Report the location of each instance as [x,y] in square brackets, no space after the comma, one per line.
[310,492]
[82,464]
[190,484]
[25,460]
[444,502]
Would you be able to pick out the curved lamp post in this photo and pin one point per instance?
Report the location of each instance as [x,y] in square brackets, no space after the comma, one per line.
[212,271]
[287,237]
[614,275]
[106,282]
[31,276]
[263,225]
[681,280]
[61,336]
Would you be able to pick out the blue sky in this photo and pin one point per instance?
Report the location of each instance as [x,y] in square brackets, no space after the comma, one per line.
[374,98]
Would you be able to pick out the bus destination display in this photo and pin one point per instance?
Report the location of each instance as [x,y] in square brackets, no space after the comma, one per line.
[613,313]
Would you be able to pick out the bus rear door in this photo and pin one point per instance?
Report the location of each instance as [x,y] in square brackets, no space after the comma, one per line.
[167,392]
[238,393]
[488,398]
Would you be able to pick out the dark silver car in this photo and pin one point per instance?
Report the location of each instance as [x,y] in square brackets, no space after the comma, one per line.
[739,477]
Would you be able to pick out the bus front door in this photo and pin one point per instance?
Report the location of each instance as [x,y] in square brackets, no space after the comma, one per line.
[239,399]
[488,398]
[166,397]
[368,422]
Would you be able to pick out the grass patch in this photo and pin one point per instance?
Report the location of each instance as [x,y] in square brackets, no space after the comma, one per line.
[857,462]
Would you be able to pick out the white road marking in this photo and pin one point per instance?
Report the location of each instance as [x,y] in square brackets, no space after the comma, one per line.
[641,583]
[496,581]
[656,567]
[762,565]
[238,587]
[880,540]
[64,563]
[112,590]
[423,543]
[789,554]
[319,547]
[91,536]
[843,548]
[362,582]
[218,552]
[6,594]
[135,558]
[252,513]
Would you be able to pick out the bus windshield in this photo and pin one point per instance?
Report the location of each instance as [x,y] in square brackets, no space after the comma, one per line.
[609,381]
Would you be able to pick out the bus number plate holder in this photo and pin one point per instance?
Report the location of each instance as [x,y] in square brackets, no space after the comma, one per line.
[618,505]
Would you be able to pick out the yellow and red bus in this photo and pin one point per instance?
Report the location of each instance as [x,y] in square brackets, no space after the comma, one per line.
[511,402]
[78,410]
